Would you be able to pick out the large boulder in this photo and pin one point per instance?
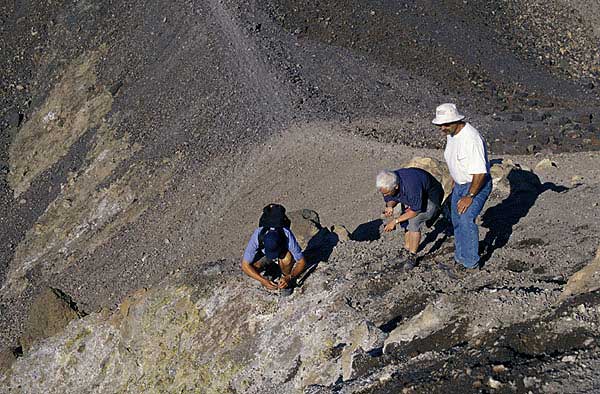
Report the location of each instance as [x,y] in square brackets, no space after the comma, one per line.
[305,225]
[509,177]
[50,312]
[438,169]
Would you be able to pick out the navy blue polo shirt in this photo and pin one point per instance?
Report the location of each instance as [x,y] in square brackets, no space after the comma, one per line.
[415,187]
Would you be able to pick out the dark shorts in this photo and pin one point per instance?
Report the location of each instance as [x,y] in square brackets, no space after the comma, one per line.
[415,224]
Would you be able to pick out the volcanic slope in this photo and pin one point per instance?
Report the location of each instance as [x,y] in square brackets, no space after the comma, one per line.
[127,126]
[359,323]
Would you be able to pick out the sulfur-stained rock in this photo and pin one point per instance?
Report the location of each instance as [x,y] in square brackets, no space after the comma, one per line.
[48,315]
[433,318]
[365,337]
[545,164]
[583,281]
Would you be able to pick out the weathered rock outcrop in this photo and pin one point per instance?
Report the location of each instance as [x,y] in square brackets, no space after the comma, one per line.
[357,323]
[585,280]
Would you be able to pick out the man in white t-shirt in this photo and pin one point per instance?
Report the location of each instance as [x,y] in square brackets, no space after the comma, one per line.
[469,167]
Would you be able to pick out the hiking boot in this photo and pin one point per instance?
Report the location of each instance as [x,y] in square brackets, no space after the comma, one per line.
[409,264]
[286,292]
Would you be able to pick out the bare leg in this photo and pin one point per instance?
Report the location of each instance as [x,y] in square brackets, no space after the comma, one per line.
[286,264]
[412,240]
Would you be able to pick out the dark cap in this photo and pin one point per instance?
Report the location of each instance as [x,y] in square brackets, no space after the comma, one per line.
[273,244]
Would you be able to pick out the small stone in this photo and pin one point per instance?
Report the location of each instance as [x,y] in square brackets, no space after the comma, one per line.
[22,201]
[493,383]
[545,164]
[20,87]
[385,377]
[114,88]
[530,382]
[569,359]
[477,384]
[576,179]
[342,233]
[499,368]
[49,117]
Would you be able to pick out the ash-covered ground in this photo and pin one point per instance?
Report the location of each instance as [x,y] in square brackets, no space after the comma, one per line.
[140,138]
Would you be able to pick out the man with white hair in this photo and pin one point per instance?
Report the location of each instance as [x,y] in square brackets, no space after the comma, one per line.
[415,196]
[467,160]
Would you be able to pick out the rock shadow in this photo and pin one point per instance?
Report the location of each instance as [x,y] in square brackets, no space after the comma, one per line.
[525,187]
[318,249]
[369,231]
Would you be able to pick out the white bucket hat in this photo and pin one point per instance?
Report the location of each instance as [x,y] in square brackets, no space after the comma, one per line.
[447,113]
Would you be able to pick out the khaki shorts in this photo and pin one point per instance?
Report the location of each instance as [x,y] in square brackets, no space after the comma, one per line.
[415,224]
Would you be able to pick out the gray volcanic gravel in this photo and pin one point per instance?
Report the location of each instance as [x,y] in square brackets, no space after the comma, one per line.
[219,107]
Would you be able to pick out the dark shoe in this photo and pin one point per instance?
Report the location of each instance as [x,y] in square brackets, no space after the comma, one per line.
[409,264]
[286,292]
[455,272]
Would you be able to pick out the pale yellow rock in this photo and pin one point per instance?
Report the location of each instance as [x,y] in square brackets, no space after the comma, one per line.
[545,164]
[431,319]
[583,281]
[342,232]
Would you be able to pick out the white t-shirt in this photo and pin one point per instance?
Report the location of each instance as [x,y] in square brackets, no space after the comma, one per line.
[466,155]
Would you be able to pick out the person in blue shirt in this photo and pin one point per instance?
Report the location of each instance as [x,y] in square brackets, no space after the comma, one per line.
[414,196]
[273,245]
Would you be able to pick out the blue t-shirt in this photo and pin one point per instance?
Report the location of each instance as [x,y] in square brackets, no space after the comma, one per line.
[415,187]
[253,246]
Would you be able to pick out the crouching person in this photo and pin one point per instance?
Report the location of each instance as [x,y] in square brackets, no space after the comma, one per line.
[273,249]
[412,197]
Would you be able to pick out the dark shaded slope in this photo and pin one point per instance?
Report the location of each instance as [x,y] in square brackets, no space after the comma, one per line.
[465,47]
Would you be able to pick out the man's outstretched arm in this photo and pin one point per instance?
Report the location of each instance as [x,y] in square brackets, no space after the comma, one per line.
[254,274]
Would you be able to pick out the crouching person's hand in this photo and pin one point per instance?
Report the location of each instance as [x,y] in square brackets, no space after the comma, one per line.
[391,226]
[269,284]
[284,281]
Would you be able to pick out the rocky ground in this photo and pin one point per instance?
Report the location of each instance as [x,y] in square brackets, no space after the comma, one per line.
[139,140]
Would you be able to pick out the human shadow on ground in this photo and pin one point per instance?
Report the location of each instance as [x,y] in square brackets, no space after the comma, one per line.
[369,231]
[525,187]
[442,224]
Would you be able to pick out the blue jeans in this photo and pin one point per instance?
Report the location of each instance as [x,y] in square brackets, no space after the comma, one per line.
[466,233]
